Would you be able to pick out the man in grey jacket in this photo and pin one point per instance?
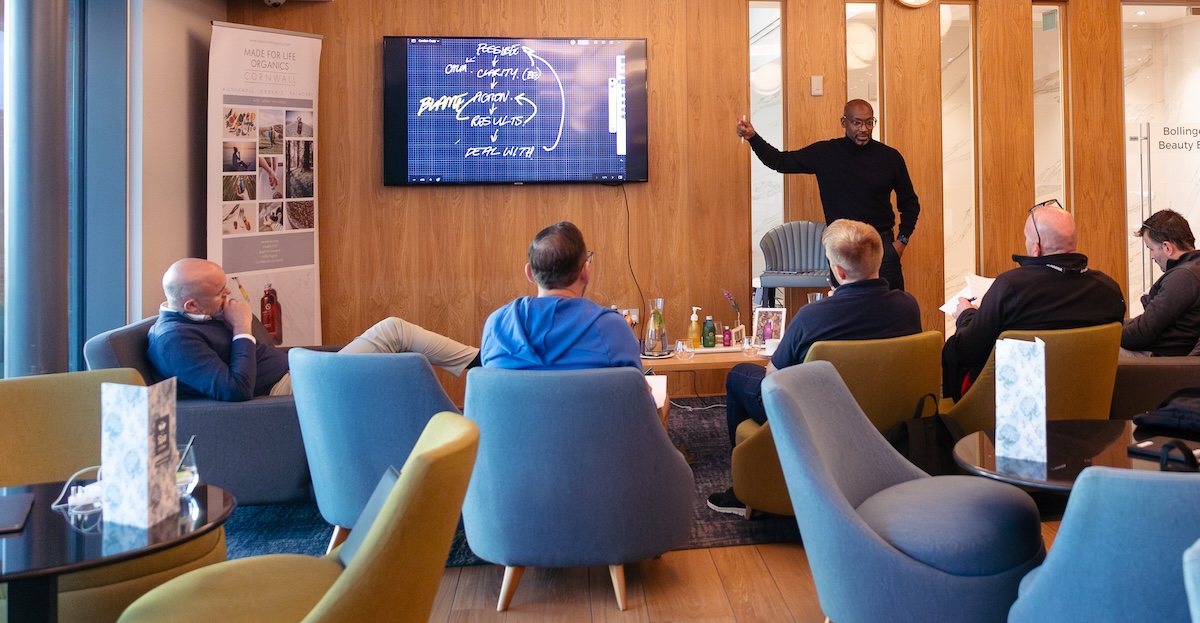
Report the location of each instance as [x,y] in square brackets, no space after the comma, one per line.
[1170,324]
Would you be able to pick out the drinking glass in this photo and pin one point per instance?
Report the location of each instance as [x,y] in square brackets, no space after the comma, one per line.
[813,297]
[186,474]
[684,350]
[749,349]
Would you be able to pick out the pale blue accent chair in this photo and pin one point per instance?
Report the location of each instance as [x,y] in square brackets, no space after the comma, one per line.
[886,541]
[359,414]
[575,469]
[1119,551]
[1191,575]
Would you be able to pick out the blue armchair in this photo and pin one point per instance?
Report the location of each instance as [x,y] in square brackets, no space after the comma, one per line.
[1119,552]
[359,414]
[252,449]
[886,541]
[1191,576]
[574,469]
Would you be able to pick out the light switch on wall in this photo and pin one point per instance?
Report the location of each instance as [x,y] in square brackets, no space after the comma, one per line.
[818,85]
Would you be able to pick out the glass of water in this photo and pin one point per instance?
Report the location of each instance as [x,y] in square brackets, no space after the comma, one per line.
[684,350]
[186,474]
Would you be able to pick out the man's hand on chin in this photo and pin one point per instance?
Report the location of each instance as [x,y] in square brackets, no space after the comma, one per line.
[238,316]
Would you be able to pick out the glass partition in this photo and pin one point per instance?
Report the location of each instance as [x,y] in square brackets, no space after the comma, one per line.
[1162,61]
[1049,130]
[766,112]
[958,148]
[862,54]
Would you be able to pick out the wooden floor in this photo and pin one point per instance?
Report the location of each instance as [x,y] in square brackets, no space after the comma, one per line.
[769,583]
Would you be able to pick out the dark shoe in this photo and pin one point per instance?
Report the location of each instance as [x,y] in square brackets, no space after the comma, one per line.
[726,502]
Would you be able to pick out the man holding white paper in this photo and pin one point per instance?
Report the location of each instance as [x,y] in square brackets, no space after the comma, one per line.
[1052,288]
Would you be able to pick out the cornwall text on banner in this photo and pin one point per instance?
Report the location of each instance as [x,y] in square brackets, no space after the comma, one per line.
[262,174]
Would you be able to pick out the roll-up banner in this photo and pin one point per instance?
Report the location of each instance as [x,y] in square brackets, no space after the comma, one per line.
[262,174]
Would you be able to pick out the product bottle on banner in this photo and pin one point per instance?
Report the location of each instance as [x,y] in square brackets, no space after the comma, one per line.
[272,315]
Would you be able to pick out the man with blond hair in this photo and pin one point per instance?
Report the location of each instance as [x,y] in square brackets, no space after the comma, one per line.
[862,307]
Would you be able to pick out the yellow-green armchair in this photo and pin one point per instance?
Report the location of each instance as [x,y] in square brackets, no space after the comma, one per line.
[886,377]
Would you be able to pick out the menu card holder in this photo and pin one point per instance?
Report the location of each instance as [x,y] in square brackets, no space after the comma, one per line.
[138,453]
[1021,404]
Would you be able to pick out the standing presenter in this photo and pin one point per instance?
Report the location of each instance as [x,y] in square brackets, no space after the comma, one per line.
[856,176]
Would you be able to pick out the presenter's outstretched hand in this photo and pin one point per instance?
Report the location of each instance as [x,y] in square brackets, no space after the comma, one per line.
[744,128]
[238,315]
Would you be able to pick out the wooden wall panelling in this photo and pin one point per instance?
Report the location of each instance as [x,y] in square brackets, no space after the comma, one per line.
[447,257]
[1095,109]
[911,119]
[716,216]
[814,45]
[1005,122]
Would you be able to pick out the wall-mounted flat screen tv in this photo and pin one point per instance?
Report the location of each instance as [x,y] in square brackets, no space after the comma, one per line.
[487,110]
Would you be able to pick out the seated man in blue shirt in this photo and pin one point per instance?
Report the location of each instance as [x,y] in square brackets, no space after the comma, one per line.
[558,328]
[862,307]
[203,337]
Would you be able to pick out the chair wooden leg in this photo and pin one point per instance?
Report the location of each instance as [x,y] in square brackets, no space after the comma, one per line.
[617,573]
[339,537]
[512,577]
[749,513]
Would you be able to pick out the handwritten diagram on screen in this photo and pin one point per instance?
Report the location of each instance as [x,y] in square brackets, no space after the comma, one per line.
[481,110]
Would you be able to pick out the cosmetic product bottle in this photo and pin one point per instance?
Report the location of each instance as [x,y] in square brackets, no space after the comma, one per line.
[694,332]
[710,332]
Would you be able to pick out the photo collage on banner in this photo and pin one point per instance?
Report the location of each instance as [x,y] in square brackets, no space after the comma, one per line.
[262,201]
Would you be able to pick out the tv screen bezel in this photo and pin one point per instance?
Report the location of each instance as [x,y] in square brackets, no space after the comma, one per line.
[395,112]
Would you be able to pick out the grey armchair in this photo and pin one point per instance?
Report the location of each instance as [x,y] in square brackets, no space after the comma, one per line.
[574,469]
[359,414]
[1119,551]
[886,541]
[252,449]
[794,257]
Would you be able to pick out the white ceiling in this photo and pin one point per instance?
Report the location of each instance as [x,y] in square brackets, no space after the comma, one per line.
[1159,15]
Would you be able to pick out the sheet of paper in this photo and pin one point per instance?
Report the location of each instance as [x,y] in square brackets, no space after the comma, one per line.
[976,287]
[1021,400]
[658,387]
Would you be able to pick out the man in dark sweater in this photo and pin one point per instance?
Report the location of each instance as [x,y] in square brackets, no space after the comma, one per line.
[862,307]
[1170,324]
[204,338]
[1051,289]
[856,176]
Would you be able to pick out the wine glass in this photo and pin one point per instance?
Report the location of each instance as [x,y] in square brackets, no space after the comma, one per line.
[684,350]
[187,476]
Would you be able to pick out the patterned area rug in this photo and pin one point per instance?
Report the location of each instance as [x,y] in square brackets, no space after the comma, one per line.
[697,426]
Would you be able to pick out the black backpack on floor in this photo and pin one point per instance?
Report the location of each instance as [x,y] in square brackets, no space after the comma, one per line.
[927,442]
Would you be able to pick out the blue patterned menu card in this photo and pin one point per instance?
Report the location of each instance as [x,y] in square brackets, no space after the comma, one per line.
[138,453]
[1021,400]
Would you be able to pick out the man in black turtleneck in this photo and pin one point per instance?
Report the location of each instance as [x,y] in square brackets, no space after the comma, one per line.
[1051,289]
[856,176]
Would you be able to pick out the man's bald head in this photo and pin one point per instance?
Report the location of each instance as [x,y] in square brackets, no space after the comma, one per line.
[197,282]
[1054,227]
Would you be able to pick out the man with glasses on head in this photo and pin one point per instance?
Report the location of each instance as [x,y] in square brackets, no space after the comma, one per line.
[558,328]
[1170,324]
[1053,288]
[856,176]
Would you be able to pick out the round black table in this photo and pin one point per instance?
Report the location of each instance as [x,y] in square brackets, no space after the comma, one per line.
[1071,445]
[50,544]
